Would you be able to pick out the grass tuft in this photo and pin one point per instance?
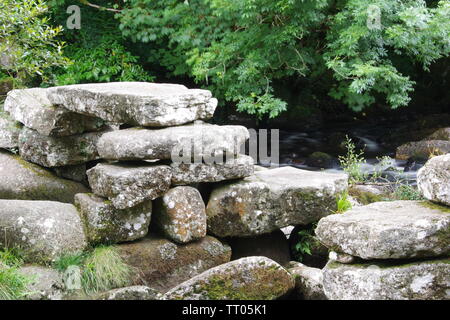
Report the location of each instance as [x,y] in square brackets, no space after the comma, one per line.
[102,269]
[13,285]
[105,270]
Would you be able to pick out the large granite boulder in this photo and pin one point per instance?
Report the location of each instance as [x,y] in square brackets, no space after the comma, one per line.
[422,149]
[26,181]
[45,283]
[388,230]
[433,179]
[272,199]
[181,214]
[106,224]
[58,151]
[188,173]
[9,131]
[252,278]
[162,264]
[136,103]
[199,140]
[32,108]
[128,184]
[43,230]
[308,282]
[422,280]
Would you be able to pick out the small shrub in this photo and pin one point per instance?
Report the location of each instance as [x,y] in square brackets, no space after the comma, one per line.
[306,242]
[352,162]
[407,192]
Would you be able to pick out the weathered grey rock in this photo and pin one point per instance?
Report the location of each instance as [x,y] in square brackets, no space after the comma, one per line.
[137,103]
[106,224]
[433,179]
[43,230]
[341,257]
[422,149]
[32,108]
[273,246]
[128,184]
[46,283]
[188,173]
[200,140]
[181,214]
[252,278]
[75,172]
[272,199]
[9,131]
[308,282]
[130,293]
[163,264]
[26,181]
[388,230]
[58,151]
[441,134]
[426,280]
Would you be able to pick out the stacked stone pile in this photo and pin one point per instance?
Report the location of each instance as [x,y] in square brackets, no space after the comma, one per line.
[388,250]
[103,163]
[397,250]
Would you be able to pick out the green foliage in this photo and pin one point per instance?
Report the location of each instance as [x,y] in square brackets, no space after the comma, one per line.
[98,52]
[343,203]
[306,242]
[352,162]
[12,257]
[66,260]
[102,268]
[407,192]
[362,58]
[13,285]
[28,44]
[107,61]
[240,49]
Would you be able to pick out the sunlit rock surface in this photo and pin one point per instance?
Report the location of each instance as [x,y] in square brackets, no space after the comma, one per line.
[198,140]
[433,179]
[136,103]
[388,230]
[181,214]
[128,184]
[32,108]
[43,230]
[106,224]
[273,199]
[426,280]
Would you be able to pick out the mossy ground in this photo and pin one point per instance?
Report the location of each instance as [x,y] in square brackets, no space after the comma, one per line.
[435,206]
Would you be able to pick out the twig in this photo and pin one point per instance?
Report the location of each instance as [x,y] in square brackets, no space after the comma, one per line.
[99,7]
